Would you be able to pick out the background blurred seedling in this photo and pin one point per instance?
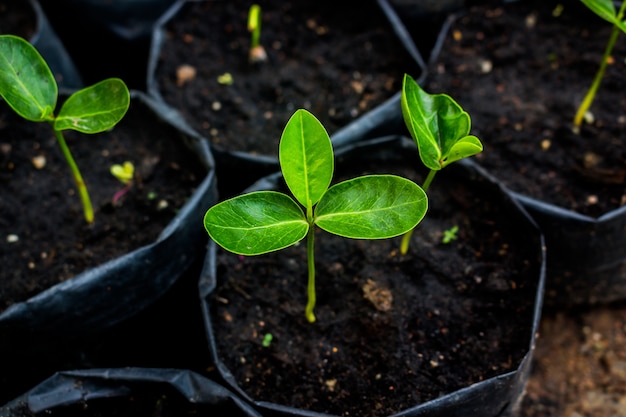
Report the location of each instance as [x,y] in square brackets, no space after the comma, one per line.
[606,10]
[450,235]
[257,52]
[29,88]
[125,174]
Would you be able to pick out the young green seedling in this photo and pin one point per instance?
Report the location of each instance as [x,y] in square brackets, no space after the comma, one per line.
[257,52]
[367,207]
[606,10]
[29,88]
[450,235]
[125,174]
[440,128]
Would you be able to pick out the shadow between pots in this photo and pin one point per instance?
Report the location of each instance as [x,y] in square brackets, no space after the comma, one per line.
[127,391]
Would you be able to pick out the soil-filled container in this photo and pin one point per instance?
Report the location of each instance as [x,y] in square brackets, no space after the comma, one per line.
[127,391]
[63,278]
[339,68]
[522,69]
[445,330]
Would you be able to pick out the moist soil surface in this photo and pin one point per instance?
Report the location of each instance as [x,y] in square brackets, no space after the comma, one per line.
[45,238]
[392,331]
[521,70]
[335,66]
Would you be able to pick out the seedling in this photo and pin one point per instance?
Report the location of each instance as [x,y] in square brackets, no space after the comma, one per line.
[440,128]
[257,52]
[29,88]
[125,174]
[267,340]
[450,235]
[606,10]
[367,207]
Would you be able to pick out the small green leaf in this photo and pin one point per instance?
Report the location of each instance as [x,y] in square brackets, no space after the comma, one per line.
[96,108]
[371,207]
[306,157]
[26,82]
[437,124]
[465,147]
[603,8]
[124,173]
[256,223]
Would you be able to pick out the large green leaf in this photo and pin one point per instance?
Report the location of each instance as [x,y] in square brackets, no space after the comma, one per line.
[26,82]
[439,126]
[371,207]
[96,108]
[306,157]
[256,223]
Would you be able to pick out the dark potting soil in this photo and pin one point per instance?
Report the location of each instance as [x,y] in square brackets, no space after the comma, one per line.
[337,62]
[521,70]
[45,238]
[392,331]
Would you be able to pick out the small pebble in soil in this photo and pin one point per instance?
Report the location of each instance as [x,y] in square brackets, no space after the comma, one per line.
[184,74]
[12,238]
[39,162]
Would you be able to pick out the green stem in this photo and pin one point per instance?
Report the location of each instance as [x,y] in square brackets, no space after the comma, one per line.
[254,25]
[406,238]
[78,179]
[589,97]
[310,248]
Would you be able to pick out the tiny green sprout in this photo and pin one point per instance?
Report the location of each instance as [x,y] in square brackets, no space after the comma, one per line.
[450,235]
[225,79]
[367,207]
[440,128]
[29,88]
[267,340]
[124,173]
[257,52]
[606,10]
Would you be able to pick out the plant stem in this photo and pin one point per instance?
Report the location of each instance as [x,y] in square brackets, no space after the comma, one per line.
[78,179]
[591,93]
[254,25]
[310,248]
[406,238]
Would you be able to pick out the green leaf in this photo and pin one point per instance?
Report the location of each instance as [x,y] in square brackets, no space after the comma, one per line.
[603,8]
[96,108]
[372,207]
[306,157]
[437,124]
[26,82]
[465,147]
[256,223]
